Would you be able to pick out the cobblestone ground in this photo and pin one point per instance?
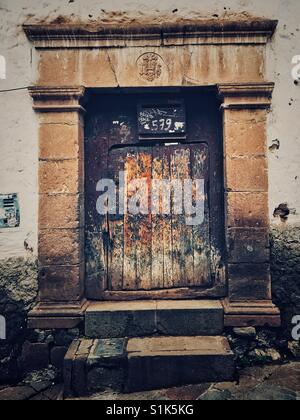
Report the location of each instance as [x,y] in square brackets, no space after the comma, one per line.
[37,386]
[279,383]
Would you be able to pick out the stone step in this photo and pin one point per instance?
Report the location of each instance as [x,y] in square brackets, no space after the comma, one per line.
[141,364]
[147,318]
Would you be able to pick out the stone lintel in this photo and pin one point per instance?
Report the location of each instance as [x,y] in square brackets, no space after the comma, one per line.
[199,32]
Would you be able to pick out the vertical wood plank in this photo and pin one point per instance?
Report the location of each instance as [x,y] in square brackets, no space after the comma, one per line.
[201,232]
[179,163]
[116,230]
[158,224]
[144,224]
[130,228]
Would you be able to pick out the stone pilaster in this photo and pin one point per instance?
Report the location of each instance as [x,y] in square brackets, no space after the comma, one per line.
[61,207]
[249,300]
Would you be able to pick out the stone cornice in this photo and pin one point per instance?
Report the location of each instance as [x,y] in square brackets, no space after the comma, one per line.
[239,96]
[57,99]
[210,32]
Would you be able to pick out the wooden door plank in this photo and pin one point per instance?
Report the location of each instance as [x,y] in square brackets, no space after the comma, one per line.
[180,158]
[144,223]
[201,232]
[158,222]
[130,228]
[116,229]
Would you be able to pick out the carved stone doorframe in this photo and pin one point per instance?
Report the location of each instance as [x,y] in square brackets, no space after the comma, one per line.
[73,58]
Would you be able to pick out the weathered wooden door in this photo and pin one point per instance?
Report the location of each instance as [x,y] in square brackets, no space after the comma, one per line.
[154,255]
[164,245]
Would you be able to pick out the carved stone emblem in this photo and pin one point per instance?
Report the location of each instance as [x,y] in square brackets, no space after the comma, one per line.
[150,66]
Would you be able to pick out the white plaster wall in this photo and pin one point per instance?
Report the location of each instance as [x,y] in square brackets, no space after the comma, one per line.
[18,134]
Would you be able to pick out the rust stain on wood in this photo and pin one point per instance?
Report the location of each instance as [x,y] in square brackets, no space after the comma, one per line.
[159,251]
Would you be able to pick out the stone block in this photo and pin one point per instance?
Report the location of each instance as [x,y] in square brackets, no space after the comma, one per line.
[245,133]
[58,68]
[61,247]
[248,245]
[249,282]
[247,209]
[165,362]
[61,283]
[61,177]
[120,319]
[190,318]
[61,211]
[57,356]
[19,393]
[60,141]
[34,356]
[142,318]
[245,174]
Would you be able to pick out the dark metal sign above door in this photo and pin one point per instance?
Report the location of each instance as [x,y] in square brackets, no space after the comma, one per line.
[162,120]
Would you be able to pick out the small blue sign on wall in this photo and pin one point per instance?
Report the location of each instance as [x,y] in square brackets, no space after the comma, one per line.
[9,211]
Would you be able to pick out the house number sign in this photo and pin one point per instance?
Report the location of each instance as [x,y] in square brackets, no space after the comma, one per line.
[162,120]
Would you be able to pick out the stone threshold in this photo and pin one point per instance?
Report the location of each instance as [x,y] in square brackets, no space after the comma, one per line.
[147,318]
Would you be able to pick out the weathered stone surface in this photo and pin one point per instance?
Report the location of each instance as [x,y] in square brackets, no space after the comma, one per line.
[285,263]
[90,62]
[57,356]
[246,174]
[294,348]
[190,318]
[61,211]
[35,356]
[247,210]
[140,364]
[59,68]
[202,65]
[265,383]
[18,291]
[268,392]
[101,378]
[61,177]
[245,332]
[61,247]
[60,141]
[54,392]
[287,376]
[165,362]
[265,356]
[245,133]
[249,282]
[123,319]
[248,245]
[61,283]
[216,395]
[19,393]
[186,393]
